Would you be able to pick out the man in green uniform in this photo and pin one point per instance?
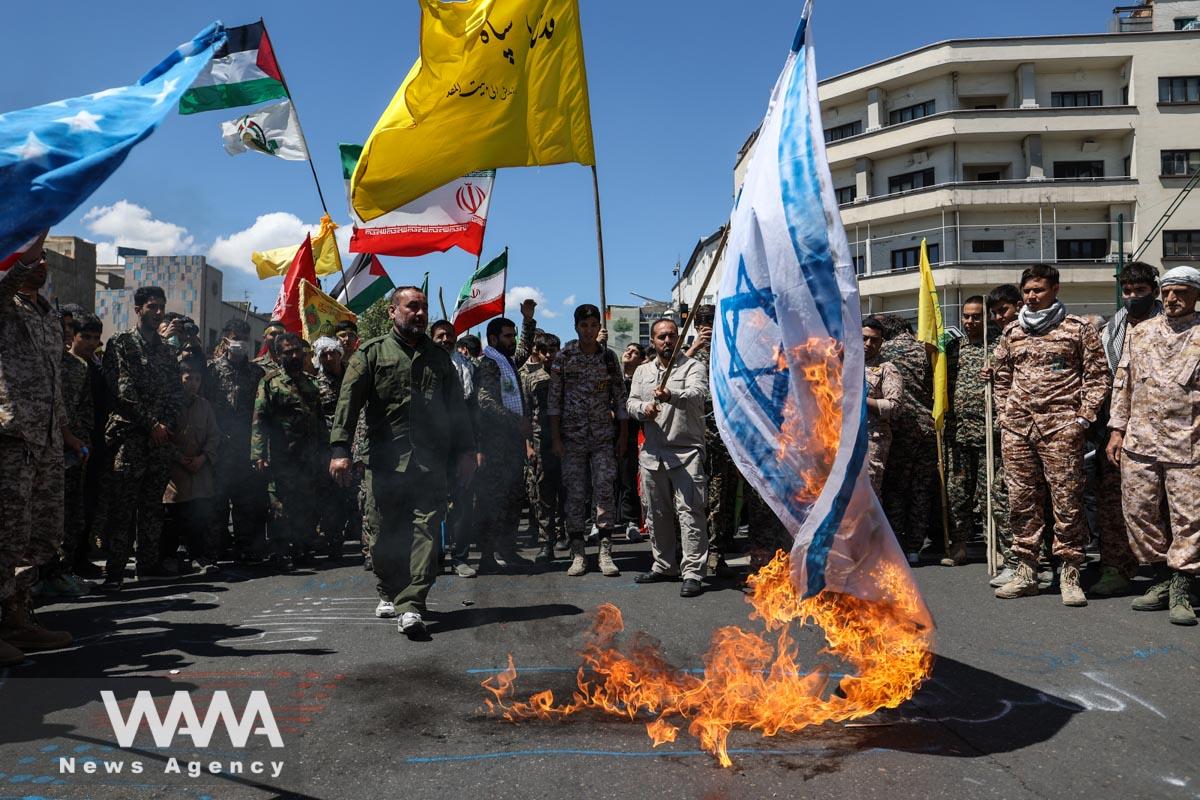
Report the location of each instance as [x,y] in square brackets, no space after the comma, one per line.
[967,479]
[543,470]
[287,443]
[417,426]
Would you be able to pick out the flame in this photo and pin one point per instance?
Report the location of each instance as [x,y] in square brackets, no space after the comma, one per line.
[751,680]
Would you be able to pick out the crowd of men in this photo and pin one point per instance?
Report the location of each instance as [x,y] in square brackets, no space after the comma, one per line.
[420,445]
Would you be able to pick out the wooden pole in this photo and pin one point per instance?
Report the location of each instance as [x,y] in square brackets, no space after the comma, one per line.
[687,323]
[600,246]
[942,485]
[989,447]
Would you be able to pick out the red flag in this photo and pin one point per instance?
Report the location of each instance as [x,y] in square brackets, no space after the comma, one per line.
[287,304]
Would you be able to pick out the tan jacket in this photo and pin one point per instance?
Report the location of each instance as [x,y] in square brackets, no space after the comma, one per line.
[196,433]
[1045,383]
[1156,391]
[885,385]
[31,348]
[676,436]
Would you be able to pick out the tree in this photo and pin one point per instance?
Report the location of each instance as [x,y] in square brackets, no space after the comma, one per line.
[375,321]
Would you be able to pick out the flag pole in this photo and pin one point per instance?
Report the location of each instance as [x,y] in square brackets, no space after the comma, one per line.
[687,323]
[307,150]
[600,245]
[989,446]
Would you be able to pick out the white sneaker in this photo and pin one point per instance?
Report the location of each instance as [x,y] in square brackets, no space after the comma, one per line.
[1002,577]
[386,609]
[410,623]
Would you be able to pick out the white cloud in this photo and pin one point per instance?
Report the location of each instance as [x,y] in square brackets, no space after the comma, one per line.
[569,300]
[512,302]
[129,225]
[277,229]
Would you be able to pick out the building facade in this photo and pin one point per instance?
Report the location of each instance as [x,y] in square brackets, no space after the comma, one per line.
[1001,153]
[71,277]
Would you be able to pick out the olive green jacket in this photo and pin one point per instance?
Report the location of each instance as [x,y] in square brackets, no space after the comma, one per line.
[413,405]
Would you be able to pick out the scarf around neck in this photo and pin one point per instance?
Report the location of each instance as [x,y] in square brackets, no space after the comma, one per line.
[510,388]
[1039,323]
[1113,335]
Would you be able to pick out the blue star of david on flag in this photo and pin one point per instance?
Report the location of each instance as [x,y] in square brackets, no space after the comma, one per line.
[787,373]
[54,156]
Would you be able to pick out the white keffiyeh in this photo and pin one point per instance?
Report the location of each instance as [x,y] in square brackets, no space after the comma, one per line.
[510,387]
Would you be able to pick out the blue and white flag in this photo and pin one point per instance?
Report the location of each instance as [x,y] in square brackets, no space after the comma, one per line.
[53,157]
[787,373]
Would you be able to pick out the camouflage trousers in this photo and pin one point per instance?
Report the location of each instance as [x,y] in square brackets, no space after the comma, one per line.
[1115,548]
[723,480]
[404,514]
[879,444]
[74,542]
[1037,468]
[966,489]
[134,485]
[543,485]
[910,483]
[598,461]
[498,492]
[1001,515]
[1162,511]
[241,495]
[295,507]
[31,501]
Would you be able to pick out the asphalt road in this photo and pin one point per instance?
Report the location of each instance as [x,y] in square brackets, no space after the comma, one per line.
[1027,699]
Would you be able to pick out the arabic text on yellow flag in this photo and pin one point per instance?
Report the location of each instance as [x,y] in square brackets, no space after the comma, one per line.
[500,83]
[320,313]
[931,332]
[326,258]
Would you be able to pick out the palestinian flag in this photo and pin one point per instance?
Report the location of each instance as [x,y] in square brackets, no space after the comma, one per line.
[453,215]
[483,295]
[368,282]
[242,72]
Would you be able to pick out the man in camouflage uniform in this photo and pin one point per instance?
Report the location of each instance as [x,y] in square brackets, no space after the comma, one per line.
[288,444]
[1156,441]
[543,470]
[340,516]
[1003,304]
[31,414]
[143,379]
[885,391]
[503,444]
[266,361]
[1139,292]
[910,479]
[966,477]
[1051,378]
[460,512]
[723,477]
[240,489]
[417,427]
[586,394]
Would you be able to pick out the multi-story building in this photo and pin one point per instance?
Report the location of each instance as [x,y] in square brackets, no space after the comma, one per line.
[1005,152]
[71,277]
[192,286]
[628,324]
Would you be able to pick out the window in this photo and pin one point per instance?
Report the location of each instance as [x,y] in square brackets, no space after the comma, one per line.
[1181,244]
[1066,170]
[993,175]
[987,246]
[910,257]
[843,131]
[986,107]
[909,113]
[1185,23]
[860,265]
[1075,99]
[1180,163]
[1082,249]
[846,195]
[910,180]
[1179,90]
[1124,95]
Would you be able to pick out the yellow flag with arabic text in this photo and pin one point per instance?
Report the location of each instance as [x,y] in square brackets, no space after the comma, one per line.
[931,332]
[320,313]
[500,83]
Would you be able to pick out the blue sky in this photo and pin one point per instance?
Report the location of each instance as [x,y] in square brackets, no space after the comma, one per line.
[675,89]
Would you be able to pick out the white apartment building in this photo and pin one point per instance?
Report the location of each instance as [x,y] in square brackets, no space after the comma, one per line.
[1010,151]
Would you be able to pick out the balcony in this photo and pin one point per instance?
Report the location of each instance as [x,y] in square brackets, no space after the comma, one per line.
[1132,19]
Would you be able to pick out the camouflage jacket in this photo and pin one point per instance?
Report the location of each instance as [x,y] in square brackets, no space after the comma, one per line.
[77,397]
[143,379]
[907,355]
[231,393]
[31,347]
[1156,392]
[587,392]
[498,430]
[288,429]
[330,389]
[535,384]
[967,418]
[885,385]
[1045,383]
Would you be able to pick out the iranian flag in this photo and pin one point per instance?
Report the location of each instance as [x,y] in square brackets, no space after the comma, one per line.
[242,72]
[451,216]
[365,282]
[483,295]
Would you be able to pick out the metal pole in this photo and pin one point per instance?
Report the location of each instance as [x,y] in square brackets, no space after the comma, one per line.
[1120,256]
[989,446]
[600,245]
